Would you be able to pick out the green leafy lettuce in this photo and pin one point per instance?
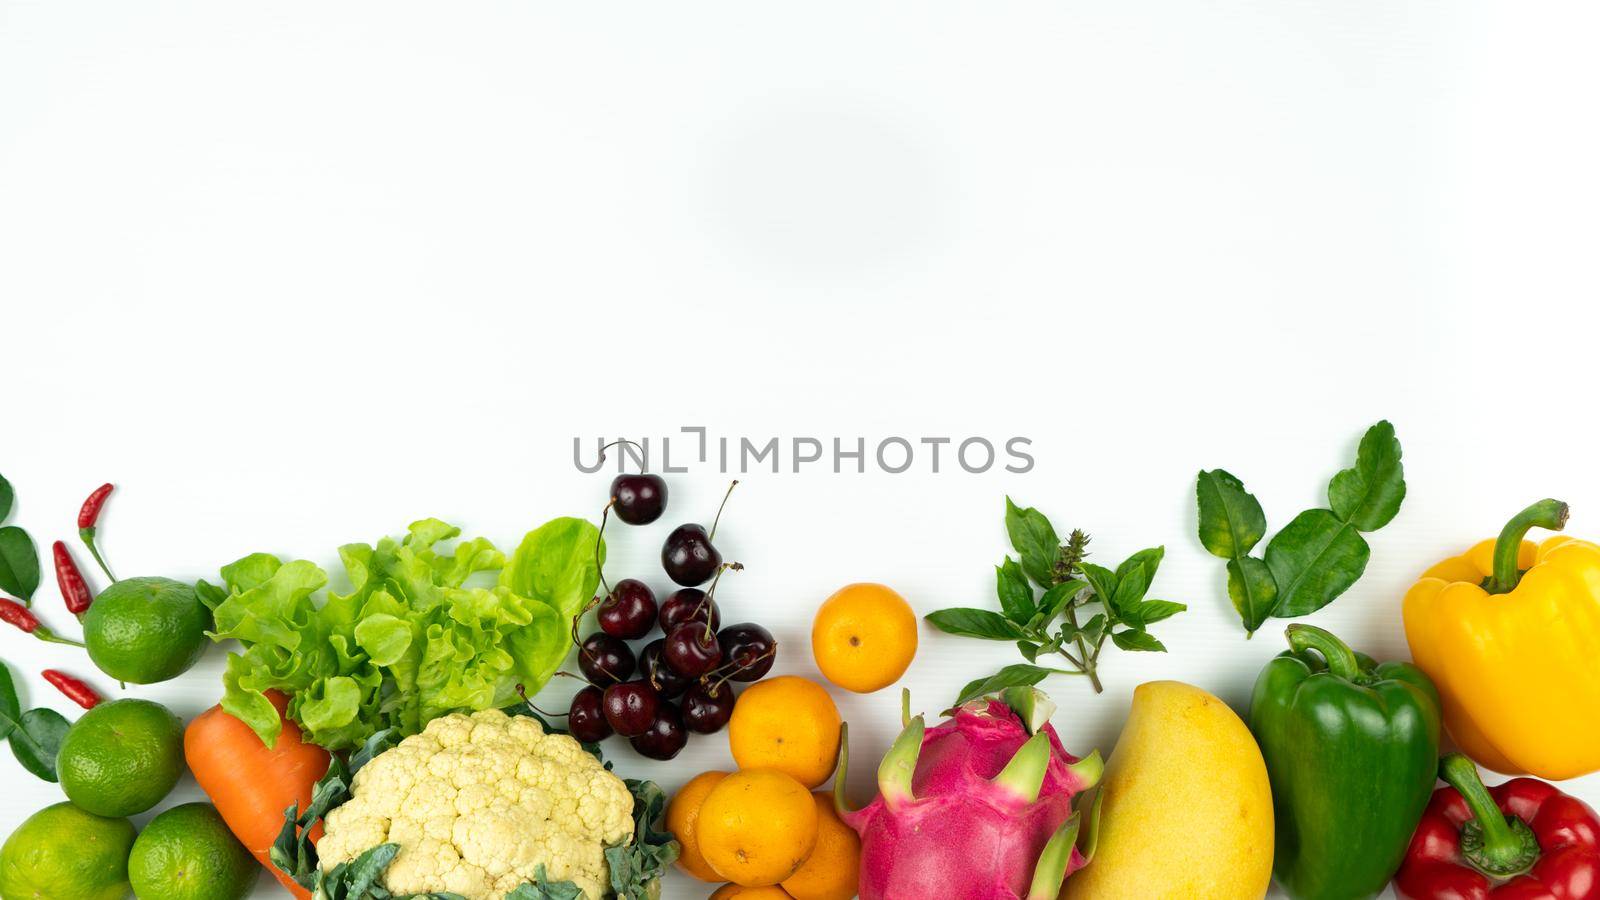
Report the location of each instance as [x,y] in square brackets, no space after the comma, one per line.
[423,631]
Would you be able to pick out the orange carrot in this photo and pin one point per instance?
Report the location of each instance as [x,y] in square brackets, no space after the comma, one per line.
[251,784]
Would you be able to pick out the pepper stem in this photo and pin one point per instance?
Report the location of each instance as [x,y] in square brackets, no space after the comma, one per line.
[1551,514]
[1340,658]
[87,535]
[1496,844]
[45,634]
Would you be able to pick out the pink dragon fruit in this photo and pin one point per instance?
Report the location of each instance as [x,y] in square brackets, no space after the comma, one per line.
[978,808]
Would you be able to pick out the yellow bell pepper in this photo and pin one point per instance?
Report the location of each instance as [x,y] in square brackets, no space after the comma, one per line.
[1510,634]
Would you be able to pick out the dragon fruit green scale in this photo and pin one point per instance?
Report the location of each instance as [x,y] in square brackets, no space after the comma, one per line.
[980,807]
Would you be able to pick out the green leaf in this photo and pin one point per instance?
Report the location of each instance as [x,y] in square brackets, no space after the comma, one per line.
[1029,650]
[1231,521]
[1152,611]
[556,564]
[36,739]
[1103,581]
[7,497]
[10,708]
[1035,539]
[1132,639]
[19,563]
[636,867]
[1015,675]
[1314,559]
[1016,594]
[1095,628]
[1056,599]
[1253,591]
[1369,495]
[978,623]
[1134,577]
[542,888]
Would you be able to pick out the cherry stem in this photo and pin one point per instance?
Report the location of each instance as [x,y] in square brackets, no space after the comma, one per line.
[625,442]
[576,641]
[726,672]
[523,693]
[713,534]
[711,592]
[599,541]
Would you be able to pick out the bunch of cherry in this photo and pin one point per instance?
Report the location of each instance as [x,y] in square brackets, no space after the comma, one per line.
[680,682]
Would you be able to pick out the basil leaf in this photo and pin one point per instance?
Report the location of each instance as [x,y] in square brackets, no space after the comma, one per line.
[1035,539]
[1314,559]
[1015,675]
[1029,650]
[978,623]
[1132,639]
[1104,582]
[1095,628]
[36,740]
[10,709]
[1152,611]
[1369,495]
[1253,591]
[7,497]
[1056,599]
[1016,594]
[1134,577]
[1231,521]
[19,563]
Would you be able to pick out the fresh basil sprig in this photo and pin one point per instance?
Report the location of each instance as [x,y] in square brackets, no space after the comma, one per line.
[1320,553]
[1082,606]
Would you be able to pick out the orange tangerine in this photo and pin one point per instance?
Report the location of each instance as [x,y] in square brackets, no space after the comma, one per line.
[864,637]
[683,813]
[786,723]
[768,892]
[834,866]
[757,827]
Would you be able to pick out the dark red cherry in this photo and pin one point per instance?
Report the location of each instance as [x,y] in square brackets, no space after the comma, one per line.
[654,669]
[586,720]
[749,651]
[630,707]
[639,499]
[688,605]
[629,611]
[688,555]
[605,660]
[665,737]
[707,706]
[692,650]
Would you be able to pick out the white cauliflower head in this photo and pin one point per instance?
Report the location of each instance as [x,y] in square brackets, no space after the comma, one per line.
[477,803]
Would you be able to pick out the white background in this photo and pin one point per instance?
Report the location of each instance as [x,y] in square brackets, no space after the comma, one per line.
[295,274]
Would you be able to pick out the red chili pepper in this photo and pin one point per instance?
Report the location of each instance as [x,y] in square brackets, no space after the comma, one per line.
[1516,841]
[90,513]
[77,691]
[88,516]
[74,589]
[14,613]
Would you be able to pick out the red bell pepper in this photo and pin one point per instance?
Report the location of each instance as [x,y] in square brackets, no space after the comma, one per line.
[1521,840]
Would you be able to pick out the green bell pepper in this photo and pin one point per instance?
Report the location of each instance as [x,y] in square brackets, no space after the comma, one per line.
[1351,748]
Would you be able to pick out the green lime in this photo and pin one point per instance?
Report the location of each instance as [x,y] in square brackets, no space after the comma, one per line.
[122,757]
[65,853]
[188,853]
[145,630]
